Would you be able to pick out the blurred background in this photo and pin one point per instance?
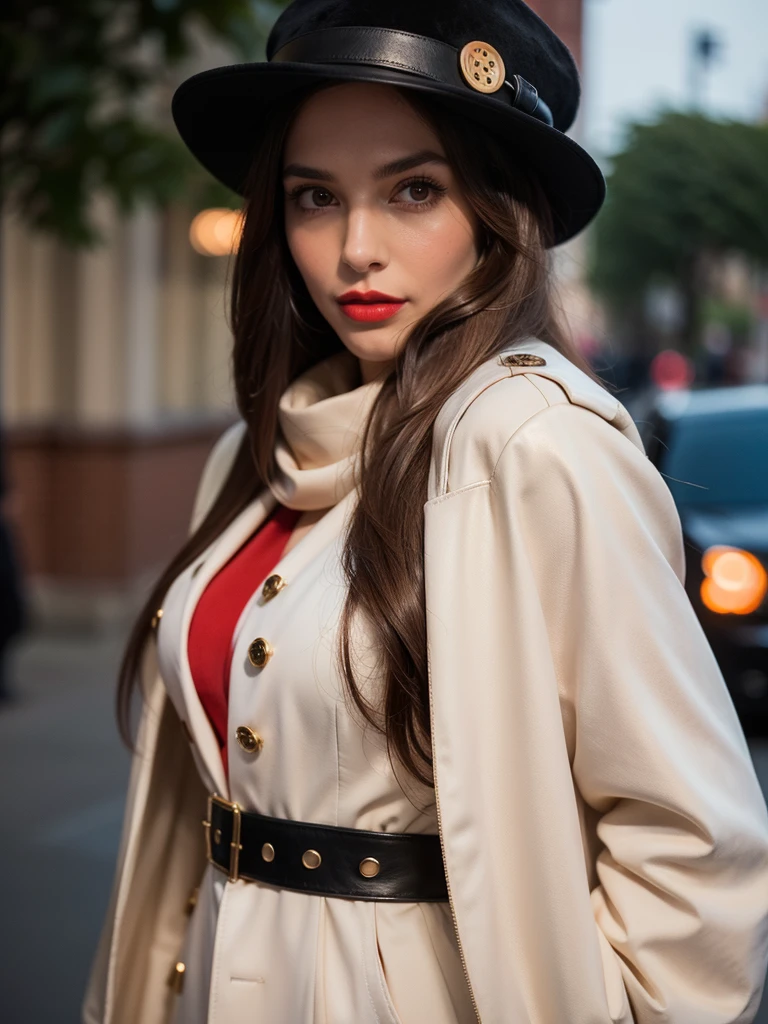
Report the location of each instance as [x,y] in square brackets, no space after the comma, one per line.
[114,376]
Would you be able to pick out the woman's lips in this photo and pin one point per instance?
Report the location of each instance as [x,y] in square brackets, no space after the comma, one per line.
[370,311]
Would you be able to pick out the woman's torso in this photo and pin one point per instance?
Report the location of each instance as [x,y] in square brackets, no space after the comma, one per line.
[257,953]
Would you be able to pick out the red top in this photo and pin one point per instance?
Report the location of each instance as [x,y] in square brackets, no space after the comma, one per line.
[213,623]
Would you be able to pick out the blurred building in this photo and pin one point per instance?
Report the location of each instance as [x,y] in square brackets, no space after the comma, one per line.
[115,383]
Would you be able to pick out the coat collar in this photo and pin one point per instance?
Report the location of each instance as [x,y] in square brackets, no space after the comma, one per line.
[321,418]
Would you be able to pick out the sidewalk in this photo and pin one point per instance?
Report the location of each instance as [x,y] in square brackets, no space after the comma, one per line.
[65,771]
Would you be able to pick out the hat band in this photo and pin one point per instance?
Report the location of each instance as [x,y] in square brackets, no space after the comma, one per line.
[403,51]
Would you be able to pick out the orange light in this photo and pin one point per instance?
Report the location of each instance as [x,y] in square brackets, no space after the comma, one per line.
[216,232]
[736,581]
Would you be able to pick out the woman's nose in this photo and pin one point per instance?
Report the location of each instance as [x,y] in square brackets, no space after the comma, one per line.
[364,243]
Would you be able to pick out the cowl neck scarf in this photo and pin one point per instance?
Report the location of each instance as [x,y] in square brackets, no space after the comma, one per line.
[321,417]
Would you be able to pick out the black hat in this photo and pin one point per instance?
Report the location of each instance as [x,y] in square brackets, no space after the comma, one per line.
[496,62]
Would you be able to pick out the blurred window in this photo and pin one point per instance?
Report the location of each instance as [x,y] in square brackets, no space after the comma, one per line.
[725,456]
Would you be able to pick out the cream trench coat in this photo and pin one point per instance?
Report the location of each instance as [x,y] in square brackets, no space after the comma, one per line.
[604,833]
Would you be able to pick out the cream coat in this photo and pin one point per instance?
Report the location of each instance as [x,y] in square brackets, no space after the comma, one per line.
[604,833]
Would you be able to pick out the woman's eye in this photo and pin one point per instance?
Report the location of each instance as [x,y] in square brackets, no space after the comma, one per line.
[418,192]
[313,198]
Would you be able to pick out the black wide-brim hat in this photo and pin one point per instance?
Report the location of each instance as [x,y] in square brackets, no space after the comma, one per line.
[496,62]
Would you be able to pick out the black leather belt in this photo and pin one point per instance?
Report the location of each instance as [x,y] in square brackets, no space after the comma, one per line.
[324,860]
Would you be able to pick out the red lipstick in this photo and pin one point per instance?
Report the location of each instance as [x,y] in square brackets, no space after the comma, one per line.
[369,306]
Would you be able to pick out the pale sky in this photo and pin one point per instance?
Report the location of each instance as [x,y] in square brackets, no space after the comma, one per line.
[637,56]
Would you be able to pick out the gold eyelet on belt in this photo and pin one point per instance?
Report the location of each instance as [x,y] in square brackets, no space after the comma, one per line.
[311,859]
[369,867]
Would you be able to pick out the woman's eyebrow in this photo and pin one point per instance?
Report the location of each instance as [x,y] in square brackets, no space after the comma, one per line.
[405,163]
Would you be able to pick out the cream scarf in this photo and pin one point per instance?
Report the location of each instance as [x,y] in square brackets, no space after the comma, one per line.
[321,418]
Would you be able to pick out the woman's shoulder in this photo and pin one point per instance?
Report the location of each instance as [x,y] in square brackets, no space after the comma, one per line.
[523,381]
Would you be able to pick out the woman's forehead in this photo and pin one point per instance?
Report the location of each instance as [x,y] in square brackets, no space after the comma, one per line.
[370,114]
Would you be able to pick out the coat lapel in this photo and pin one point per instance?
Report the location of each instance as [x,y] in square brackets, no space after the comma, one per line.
[217,555]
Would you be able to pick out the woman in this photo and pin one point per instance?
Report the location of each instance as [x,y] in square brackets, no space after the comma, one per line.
[426,667]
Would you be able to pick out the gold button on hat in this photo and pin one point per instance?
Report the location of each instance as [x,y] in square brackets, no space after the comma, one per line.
[311,859]
[248,739]
[523,359]
[272,586]
[482,66]
[259,652]
[369,867]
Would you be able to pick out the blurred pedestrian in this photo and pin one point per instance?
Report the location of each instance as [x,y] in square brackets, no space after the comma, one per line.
[11,601]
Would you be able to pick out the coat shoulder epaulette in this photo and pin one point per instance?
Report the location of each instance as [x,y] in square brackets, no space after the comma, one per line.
[531,359]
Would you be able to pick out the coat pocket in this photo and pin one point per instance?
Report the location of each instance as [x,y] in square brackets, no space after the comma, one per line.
[376,977]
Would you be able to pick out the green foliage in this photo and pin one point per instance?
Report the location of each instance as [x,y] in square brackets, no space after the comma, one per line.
[736,316]
[683,185]
[84,103]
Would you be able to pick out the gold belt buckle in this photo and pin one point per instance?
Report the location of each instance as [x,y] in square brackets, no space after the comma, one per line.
[235,845]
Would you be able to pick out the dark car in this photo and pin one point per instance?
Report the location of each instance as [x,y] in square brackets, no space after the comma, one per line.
[711,446]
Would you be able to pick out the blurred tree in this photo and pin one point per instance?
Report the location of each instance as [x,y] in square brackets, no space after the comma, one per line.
[684,189]
[77,110]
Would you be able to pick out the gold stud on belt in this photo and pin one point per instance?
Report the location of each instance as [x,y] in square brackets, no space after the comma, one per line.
[311,859]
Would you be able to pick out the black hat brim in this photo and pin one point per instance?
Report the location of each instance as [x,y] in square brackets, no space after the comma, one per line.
[218,115]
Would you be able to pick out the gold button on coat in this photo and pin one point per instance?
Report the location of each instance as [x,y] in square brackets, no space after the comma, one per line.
[249,739]
[369,867]
[176,979]
[259,652]
[482,66]
[523,359]
[311,859]
[268,852]
[272,586]
[193,898]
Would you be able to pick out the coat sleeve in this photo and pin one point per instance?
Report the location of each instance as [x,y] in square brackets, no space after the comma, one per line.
[96,1006]
[657,751]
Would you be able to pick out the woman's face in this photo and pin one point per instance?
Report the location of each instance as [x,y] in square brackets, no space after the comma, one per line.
[372,205]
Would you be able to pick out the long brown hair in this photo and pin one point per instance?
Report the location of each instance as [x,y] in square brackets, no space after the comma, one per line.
[279,333]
